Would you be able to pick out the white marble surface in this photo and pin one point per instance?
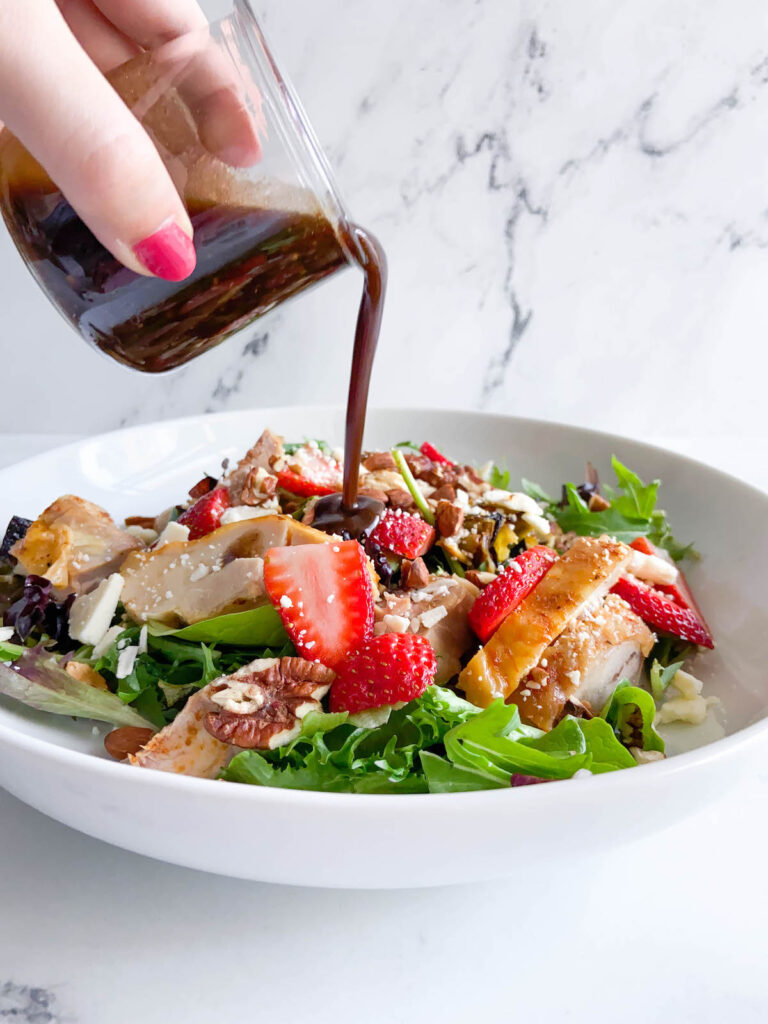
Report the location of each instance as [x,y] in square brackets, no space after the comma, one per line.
[670,928]
[572,197]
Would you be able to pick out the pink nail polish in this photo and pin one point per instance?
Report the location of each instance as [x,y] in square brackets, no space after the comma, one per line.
[168,253]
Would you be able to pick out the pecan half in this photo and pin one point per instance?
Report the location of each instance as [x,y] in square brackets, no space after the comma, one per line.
[430,472]
[259,485]
[445,493]
[414,575]
[379,460]
[262,704]
[449,519]
[597,503]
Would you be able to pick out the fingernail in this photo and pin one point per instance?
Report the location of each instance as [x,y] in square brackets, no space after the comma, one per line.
[168,253]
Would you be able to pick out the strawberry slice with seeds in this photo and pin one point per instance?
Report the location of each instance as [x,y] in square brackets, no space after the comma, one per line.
[205,515]
[403,533]
[309,472]
[432,453]
[505,593]
[324,596]
[662,613]
[387,669]
[679,592]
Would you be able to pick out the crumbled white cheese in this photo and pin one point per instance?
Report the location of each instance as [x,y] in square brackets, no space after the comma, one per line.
[646,756]
[107,640]
[652,568]
[172,533]
[125,661]
[582,773]
[395,624]
[286,602]
[142,533]
[689,705]
[432,616]
[239,513]
[537,523]
[143,640]
[91,614]
[6,632]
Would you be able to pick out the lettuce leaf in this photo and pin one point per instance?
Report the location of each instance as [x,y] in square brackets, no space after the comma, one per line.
[37,679]
[630,712]
[438,743]
[333,755]
[632,512]
[255,627]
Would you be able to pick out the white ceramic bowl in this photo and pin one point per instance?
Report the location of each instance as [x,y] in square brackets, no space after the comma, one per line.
[59,767]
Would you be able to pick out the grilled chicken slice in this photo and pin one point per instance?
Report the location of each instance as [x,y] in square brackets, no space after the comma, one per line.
[585,663]
[74,544]
[267,450]
[584,574]
[184,746]
[188,581]
[439,611]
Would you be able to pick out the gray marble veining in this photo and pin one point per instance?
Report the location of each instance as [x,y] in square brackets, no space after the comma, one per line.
[573,198]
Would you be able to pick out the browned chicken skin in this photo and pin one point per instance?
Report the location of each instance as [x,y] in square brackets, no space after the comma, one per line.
[585,663]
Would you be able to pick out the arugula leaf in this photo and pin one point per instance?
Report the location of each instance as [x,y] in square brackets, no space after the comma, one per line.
[630,712]
[255,627]
[661,676]
[632,513]
[38,680]
[499,478]
[537,493]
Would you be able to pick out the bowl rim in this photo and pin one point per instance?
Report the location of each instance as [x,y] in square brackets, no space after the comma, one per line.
[416,803]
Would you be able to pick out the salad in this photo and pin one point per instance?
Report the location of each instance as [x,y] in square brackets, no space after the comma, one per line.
[472,636]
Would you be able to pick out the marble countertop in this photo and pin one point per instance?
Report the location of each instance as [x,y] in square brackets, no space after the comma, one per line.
[668,928]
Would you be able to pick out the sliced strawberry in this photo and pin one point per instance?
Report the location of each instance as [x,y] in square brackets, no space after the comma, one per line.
[403,533]
[662,613]
[510,587]
[205,515]
[679,592]
[324,596]
[644,546]
[387,669]
[309,472]
[432,453]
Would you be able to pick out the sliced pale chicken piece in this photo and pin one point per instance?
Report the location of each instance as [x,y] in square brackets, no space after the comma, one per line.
[584,574]
[267,450]
[74,543]
[188,581]
[184,746]
[439,611]
[585,663]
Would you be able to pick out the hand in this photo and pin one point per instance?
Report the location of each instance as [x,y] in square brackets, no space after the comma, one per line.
[55,99]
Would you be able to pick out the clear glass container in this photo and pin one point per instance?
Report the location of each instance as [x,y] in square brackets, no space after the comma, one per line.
[263,232]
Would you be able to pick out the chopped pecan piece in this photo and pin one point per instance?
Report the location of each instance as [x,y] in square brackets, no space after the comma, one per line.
[145,522]
[445,493]
[480,579]
[262,704]
[379,460]
[597,503]
[373,492]
[259,485]
[401,499]
[414,575]
[431,472]
[449,519]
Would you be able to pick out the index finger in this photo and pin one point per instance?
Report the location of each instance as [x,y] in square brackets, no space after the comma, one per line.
[209,83]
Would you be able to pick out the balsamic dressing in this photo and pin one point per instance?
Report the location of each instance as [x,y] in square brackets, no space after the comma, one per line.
[347,513]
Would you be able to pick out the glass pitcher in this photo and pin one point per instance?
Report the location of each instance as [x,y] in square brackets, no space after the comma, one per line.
[262,233]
